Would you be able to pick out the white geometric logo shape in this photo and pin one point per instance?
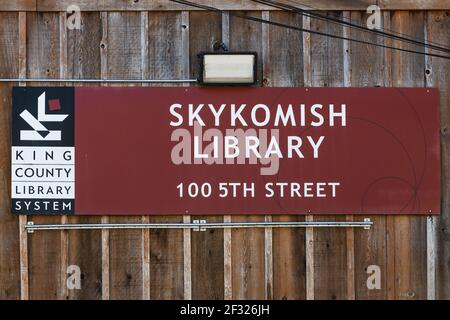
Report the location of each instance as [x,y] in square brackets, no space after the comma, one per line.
[40,132]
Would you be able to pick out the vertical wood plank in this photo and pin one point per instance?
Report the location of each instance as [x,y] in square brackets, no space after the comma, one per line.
[165,56]
[124,62]
[285,54]
[368,68]
[105,261]
[410,232]
[85,246]
[145,219]
[307,65]
[11,28]
[437,75]
[207,247]
[390,258]
[187,266]
[22,45]
[268,232]
[43,54]
[431,259]
[187,245]
[431,222]
[145,261]
[268,260]
[227,264]
[330,245]
[63,293]
[309,240]
[24,264]
[309,232]
[23,235]
[247,245]
[350,235]
[389,272]
[283,67]
[105,232]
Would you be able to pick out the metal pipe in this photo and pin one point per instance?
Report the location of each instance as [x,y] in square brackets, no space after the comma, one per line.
[104,80]
[366,224]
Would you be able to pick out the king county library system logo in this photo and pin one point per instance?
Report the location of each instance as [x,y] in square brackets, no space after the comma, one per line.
[40,132]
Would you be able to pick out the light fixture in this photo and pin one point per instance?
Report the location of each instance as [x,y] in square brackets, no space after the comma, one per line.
[228,68]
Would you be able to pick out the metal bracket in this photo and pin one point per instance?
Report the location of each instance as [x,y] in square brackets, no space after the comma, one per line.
[31,224]
[367,227]
[199,222]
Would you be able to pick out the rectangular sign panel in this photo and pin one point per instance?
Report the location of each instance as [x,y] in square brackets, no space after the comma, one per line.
[145,151]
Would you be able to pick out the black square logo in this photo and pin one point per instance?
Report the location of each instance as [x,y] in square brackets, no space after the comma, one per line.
[43,116]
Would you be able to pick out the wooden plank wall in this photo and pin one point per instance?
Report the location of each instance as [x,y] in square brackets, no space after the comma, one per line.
[413,253]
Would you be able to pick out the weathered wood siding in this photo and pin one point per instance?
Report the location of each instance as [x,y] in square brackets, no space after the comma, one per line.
[134,41]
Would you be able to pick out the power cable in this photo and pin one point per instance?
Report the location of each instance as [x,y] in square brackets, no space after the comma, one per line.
[384,29]
[279,24]
[286,7]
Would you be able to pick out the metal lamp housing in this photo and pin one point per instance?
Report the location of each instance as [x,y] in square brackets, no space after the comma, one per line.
[229,68]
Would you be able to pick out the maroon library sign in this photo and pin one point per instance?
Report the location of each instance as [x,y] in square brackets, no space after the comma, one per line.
[139,151]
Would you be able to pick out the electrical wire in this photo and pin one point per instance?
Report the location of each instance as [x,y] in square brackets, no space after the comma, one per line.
[287,7]
[384,29]
[279,24]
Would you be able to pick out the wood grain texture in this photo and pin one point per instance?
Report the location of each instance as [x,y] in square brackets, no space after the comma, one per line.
[145,219]
[390,220]
[431,258]
[410,232]
[63,293]
[83,48]
[247,260]
[85,250]
[160,5]
[124,62]
[330,245]
[283,67]
[23,235]
[9,226]
[165,59]
[105,248]
[23,263]
[18,5]
[349,232]
[227,263]
[437,74]
[105,261]
[205,28]
[309,256]
[43,54]
[247,245]
[367,69]
[187,265]
[414,4]
[268,231]
[285,54]
[205,31]
[187,232]
[166,261]
[330,261]
[306,46]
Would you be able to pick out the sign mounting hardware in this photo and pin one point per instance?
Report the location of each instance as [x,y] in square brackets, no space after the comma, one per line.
[200,222]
